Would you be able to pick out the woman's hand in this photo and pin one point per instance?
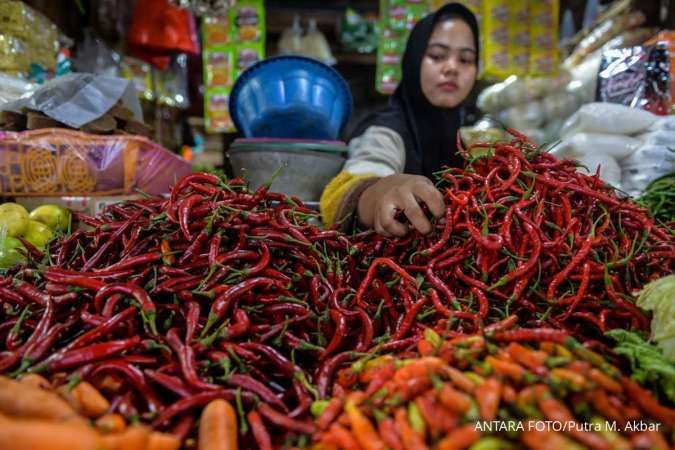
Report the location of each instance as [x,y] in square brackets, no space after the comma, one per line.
[380,202]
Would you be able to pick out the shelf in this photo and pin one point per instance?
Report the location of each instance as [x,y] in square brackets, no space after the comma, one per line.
[365,59]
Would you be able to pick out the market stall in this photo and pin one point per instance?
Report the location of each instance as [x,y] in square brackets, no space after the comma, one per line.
[149,304]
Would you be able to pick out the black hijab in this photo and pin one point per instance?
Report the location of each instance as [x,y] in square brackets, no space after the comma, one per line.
[429,133]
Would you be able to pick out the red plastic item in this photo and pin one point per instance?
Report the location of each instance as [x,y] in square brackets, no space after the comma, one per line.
[159,28]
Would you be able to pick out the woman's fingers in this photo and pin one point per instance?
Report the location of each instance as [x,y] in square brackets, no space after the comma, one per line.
[388,222]
[427,192]
[414,213]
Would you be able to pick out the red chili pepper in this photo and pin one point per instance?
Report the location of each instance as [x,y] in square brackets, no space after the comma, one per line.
[134,375]
[173,384]
[137,293]
[223,302]
[197,401]
[186,357]
[31,293]
[367,281]
[260,433]
[92,353]
[284,421]
[247,383]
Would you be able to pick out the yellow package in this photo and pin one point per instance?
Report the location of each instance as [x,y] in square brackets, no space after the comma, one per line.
[544,52]
[519,37]
[496,38]
[13,54]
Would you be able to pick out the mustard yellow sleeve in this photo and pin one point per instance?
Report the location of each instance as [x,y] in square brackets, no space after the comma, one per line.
[340,197]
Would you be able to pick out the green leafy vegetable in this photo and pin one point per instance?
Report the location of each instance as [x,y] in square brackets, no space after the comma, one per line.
[659,297]
[648,364]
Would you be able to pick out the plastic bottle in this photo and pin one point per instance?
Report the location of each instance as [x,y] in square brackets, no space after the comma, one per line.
[290,42]
[315,45]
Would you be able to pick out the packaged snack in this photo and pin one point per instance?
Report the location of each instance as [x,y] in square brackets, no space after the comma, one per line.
[218,66]
[638,77]
[246,56]
[216,30]
[248,21]
[217,111]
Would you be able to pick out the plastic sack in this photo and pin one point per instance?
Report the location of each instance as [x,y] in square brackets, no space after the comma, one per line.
[614,145]
[663,123]
[607,118]
[644,166]
[528,115]
[79,98]
[662,137]
[610,171]
[58,162]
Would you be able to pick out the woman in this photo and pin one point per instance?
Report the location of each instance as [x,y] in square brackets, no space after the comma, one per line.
[397,150]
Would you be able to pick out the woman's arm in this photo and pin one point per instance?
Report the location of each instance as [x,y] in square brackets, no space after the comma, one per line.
[377,153]
[373,187]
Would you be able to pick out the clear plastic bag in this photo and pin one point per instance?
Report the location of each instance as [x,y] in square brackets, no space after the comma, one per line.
[58,162]
[79,98]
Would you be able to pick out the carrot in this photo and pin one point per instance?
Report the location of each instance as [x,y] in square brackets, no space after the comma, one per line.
[339,436]
[163,441]
[389,435]
[532,359]
[132,438]
[459,438]
[488,396]
[454,400]
[218,427]
[35,380]
[363,429]
[85,399]
[459,379]
[20,400]
[575,378]
[505,368]
[111,423]
[605,381]
[29,434]
[410,438]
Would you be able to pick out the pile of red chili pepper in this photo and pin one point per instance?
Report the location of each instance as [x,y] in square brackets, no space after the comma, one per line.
[167,304]
[526,234]
[470,393]
[223,292]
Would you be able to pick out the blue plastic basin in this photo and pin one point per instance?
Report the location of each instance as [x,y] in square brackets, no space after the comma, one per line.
[290,97]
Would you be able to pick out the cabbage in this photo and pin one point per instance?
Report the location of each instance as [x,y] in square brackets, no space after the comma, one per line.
[659,297]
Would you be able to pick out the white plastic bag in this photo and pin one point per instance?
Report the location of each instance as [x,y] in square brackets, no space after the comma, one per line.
[614,145]
[610,171]
[663,137]
[608,118]
[645,165]
[663,123]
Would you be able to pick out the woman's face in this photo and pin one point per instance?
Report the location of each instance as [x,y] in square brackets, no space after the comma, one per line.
[449,65]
